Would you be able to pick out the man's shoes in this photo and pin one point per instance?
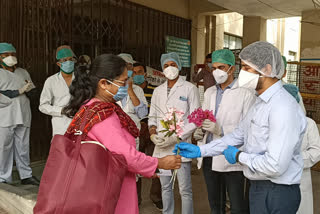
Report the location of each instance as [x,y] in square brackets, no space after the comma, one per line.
[31,181]
[158,205]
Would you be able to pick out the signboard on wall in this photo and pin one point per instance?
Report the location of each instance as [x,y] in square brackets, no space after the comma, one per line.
[181,47]
[155,77]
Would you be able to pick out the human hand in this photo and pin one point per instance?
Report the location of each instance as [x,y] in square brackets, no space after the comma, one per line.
[169,162]
[168,141]
[31,85]
[27,87]
[198,134]
[211,127]
[230,154]
[187,150]
[156,139]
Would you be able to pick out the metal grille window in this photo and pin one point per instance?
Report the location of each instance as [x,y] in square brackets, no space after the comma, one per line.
[91,27]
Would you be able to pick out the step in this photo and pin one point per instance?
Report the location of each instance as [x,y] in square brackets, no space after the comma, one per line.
[20,199]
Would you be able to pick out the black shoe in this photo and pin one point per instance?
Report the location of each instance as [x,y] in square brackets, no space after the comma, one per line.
[158,205]
[32,181]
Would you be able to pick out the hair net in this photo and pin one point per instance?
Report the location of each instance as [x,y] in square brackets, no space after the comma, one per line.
[170,57]
[64,51]
[260,54]
[284,62]
[7,48]
[293,90]
[224,56]
[127,57]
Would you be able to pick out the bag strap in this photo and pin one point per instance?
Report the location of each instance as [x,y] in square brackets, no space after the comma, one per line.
[73,163]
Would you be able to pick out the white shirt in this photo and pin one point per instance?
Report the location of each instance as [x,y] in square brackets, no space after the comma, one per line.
[183,96]
[18,112]
[234,105]
[271,135]
[311,155]
[54,96]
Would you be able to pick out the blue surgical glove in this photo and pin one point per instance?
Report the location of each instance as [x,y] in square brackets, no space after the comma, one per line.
[187,150]
[230,154]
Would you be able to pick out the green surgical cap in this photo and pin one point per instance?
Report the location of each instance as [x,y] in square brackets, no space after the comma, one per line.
[224,56]
[7,48]
[285,62]
[65,52]
[170,57]
[293,90]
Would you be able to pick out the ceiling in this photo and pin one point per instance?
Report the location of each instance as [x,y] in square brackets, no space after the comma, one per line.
[269,9]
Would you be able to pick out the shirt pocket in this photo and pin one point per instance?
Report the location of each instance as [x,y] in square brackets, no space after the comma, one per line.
[257,137]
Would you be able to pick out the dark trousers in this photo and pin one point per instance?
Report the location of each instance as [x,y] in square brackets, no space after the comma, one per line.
[220,182]
[270,198]
[146,146]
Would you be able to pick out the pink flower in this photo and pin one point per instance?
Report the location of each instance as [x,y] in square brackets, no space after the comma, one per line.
[172,128]
[198,116]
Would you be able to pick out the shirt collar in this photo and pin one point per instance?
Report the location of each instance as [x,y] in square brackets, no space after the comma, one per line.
[229,86]
[266,96]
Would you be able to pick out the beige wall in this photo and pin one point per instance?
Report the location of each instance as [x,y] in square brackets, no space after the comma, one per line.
[310,35]
[230,23]
[254,29]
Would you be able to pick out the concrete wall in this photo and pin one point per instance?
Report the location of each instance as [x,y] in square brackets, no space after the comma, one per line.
[254,29]
[231,23]
[310,39]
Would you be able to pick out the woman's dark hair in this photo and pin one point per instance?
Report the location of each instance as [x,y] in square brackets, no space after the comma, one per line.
[84,86]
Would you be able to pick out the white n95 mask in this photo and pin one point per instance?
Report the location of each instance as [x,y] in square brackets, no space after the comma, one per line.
[171,72]
[10,61]
[248,80]
[220,76]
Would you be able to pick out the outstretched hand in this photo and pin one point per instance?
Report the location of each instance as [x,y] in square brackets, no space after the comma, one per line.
[187,150]
[169,162]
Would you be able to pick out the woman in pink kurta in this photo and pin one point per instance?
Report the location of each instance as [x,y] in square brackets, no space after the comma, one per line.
[124,143]
[107,84]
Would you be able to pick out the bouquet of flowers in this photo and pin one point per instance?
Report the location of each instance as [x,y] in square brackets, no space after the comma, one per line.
[199,115]
[173,124]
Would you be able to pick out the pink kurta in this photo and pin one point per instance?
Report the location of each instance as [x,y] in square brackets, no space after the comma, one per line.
[118,140]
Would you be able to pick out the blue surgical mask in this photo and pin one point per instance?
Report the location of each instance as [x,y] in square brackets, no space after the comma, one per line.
[121,93]
[210,65]
[138,79]
[67,67]
[130,73]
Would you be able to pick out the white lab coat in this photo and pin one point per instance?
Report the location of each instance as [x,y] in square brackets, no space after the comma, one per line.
[4,101]
[54,96]
[311,155]
[18,112]
[234,105]
[15,125]
[184,96]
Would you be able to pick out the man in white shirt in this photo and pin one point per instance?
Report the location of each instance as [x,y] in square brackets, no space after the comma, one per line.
[271,135]
[55,94]
[230,104]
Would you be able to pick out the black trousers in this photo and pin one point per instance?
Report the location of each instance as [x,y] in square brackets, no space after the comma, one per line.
[220,182]
[270,198]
